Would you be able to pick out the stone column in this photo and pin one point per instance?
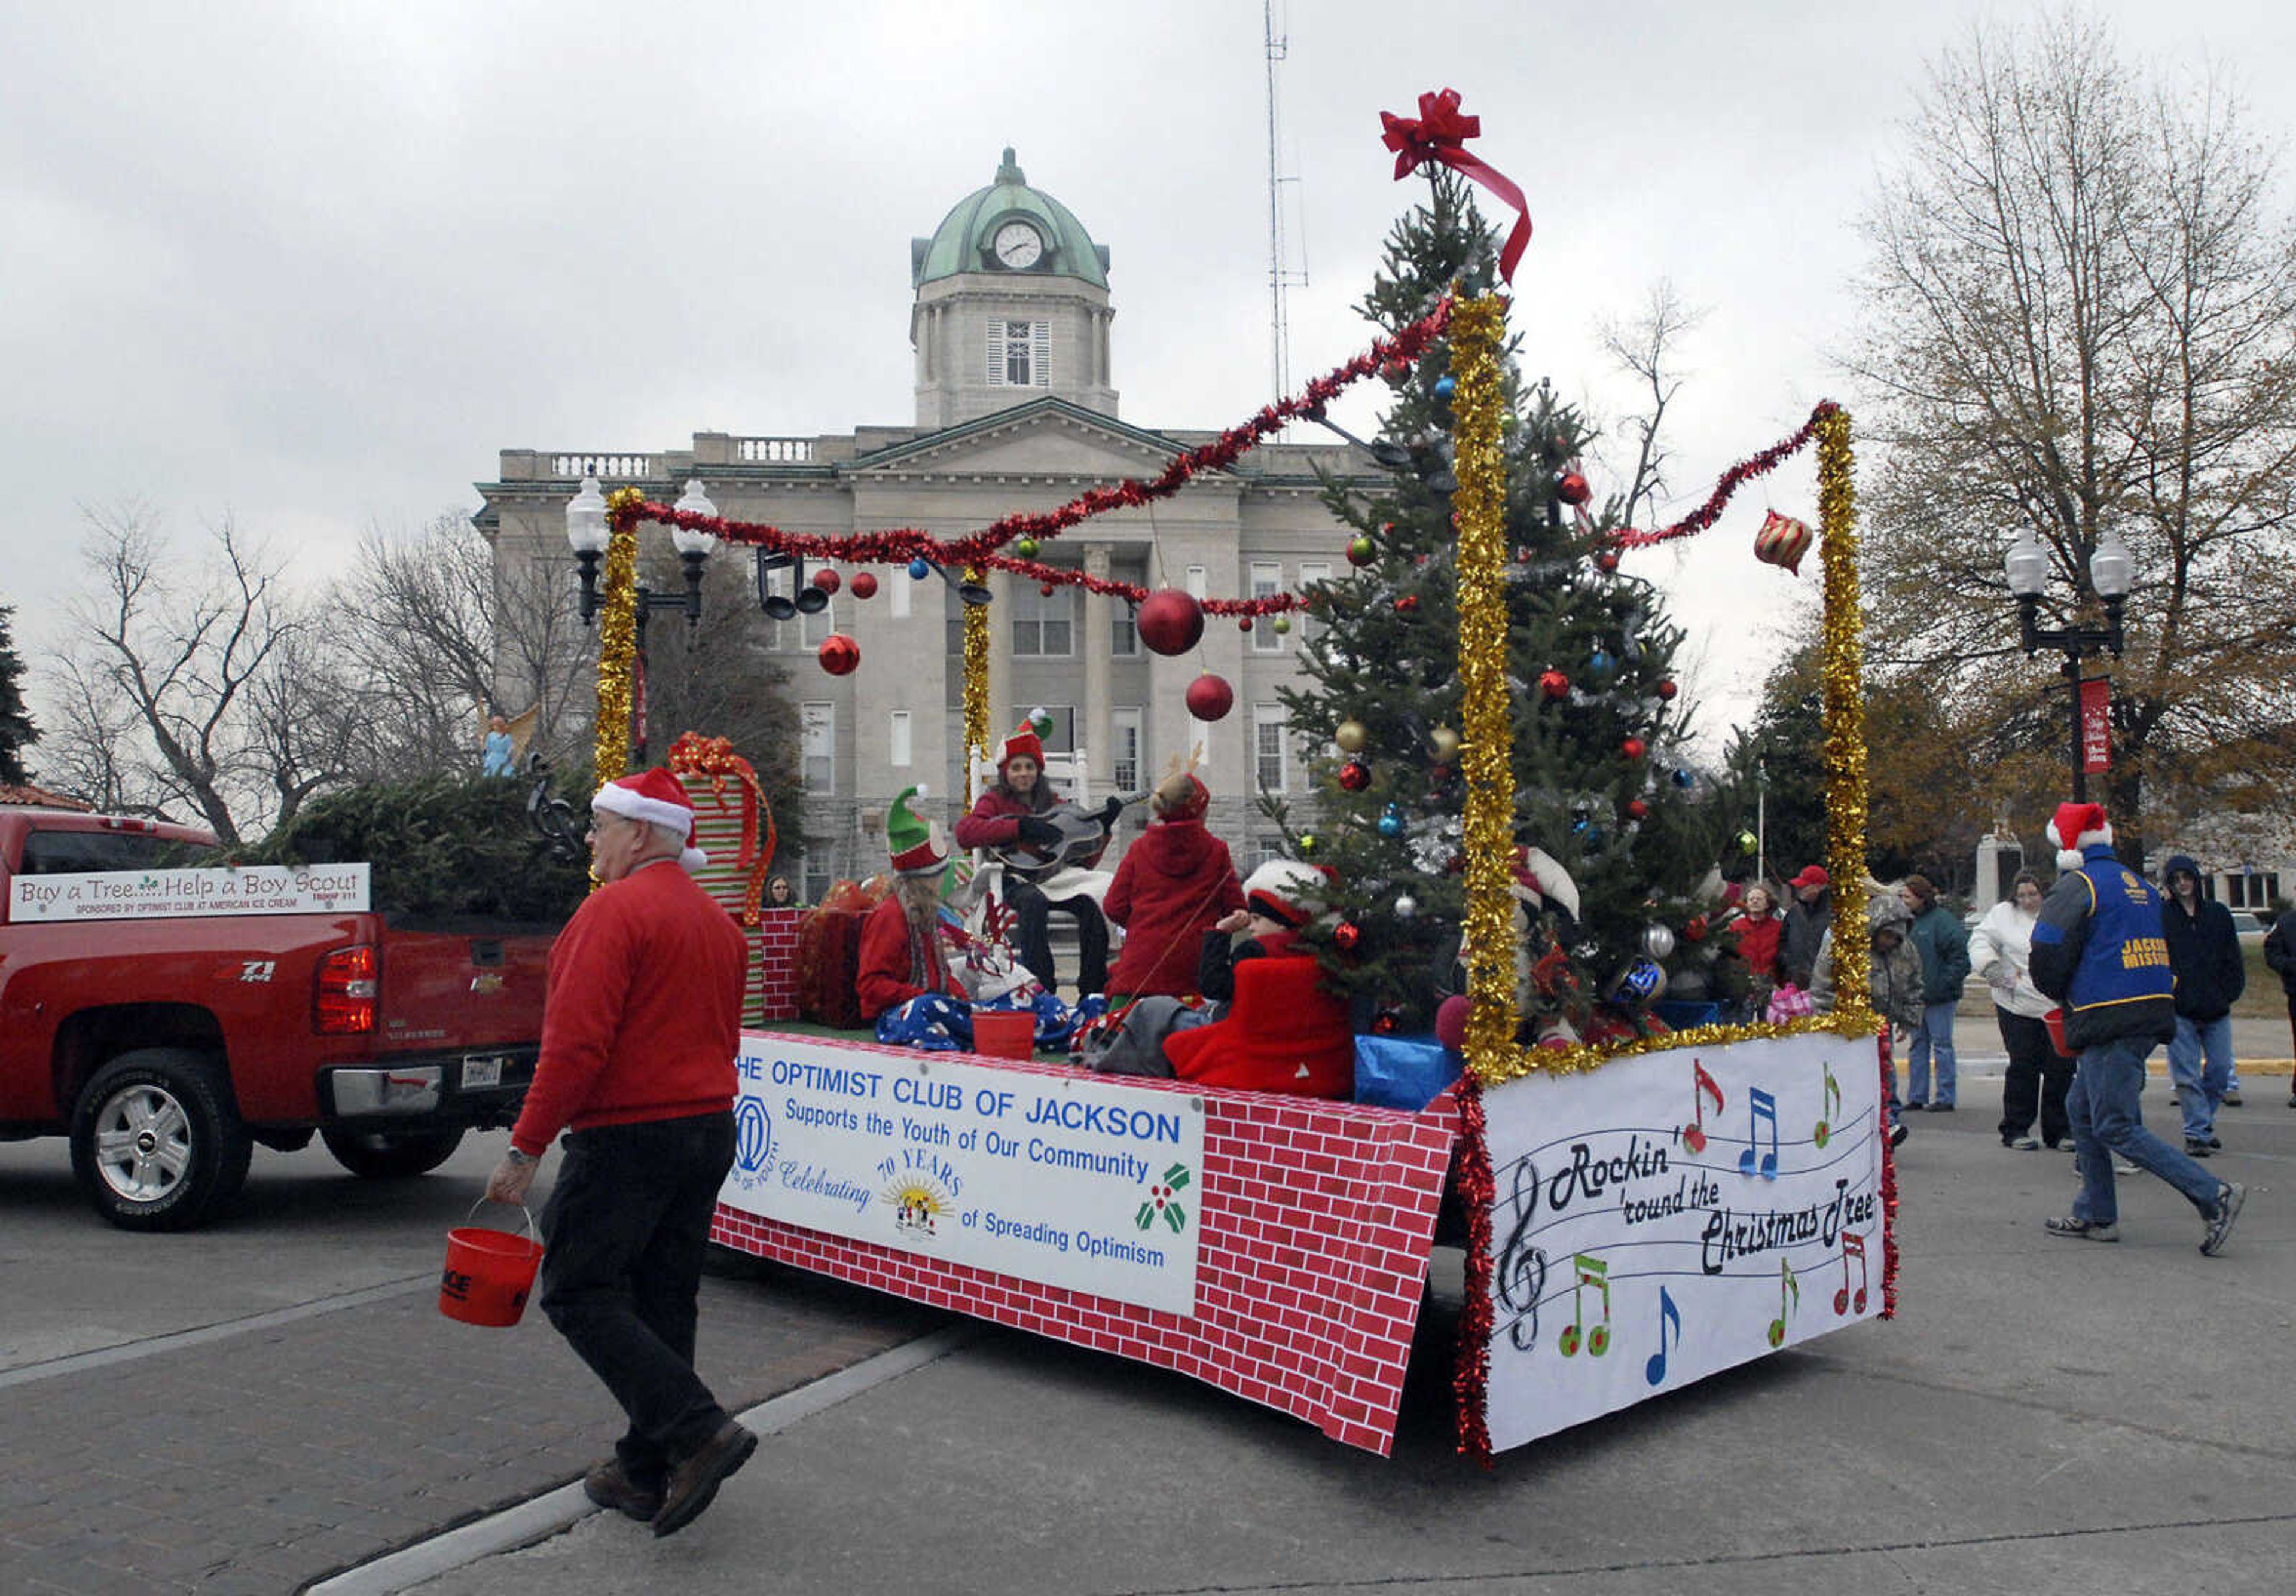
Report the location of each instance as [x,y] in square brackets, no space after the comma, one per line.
[1002,716]
[1099,638]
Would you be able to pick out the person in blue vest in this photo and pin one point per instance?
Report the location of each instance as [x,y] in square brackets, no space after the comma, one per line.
[2098,950]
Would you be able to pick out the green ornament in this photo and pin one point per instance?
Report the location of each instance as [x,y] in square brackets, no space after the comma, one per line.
[1026,548]
[1306,843]
[1748,841]
[1280,624]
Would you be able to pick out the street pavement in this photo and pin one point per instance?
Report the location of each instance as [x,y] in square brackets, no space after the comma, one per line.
[2042,1416]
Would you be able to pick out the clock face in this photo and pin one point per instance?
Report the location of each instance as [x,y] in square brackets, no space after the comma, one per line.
[1017,246]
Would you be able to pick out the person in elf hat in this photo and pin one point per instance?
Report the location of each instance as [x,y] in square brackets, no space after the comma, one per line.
[2099,952]
[1172,884]
[901,956]
[1012,814]
[641,1024]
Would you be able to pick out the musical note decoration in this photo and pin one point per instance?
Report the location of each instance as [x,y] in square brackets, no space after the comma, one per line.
[1788,1283]
[1853,1245]
[1594,1272]
[1701,1087]
[1654,1371]
[1760,1107]
[1819,1137]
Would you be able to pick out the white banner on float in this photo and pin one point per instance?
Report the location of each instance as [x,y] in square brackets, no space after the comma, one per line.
[190,895]
[1666,1217]
[1072,1181]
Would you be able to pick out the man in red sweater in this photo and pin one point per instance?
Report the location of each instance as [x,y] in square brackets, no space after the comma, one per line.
[639,1032]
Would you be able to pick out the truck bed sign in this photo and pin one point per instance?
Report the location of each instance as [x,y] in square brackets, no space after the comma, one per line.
[189,894]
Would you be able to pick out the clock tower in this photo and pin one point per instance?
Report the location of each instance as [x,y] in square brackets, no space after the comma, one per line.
[1011,305]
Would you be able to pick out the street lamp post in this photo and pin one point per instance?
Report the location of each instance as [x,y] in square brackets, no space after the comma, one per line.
[588,534]
[2111,573]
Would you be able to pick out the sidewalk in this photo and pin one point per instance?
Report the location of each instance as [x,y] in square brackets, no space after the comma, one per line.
[2043,1415]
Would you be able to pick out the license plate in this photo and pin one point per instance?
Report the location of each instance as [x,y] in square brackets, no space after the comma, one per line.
[482,1071]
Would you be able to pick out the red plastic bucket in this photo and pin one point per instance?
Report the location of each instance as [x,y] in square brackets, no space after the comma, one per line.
[2055,1021]
[1005,1033]
[490,1273]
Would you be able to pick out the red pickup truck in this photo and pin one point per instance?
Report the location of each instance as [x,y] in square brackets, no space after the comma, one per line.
[166,1047]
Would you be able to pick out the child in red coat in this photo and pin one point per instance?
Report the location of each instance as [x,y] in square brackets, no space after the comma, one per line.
[1174,884]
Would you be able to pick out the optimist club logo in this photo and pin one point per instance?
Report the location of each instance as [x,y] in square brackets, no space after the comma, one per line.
[919,1202]
[754,1144]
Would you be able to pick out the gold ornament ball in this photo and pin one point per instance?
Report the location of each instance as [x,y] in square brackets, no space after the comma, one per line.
[1445,742]
[1351,737]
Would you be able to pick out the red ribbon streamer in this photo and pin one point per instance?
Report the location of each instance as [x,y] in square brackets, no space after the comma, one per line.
[1731,481]
[1439,133]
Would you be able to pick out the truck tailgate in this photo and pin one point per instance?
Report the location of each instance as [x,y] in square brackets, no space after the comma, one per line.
[462,989]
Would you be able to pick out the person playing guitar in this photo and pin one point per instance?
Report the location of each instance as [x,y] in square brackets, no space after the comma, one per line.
[1034,834]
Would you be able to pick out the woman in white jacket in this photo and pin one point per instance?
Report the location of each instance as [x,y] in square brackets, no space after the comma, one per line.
[1998,950]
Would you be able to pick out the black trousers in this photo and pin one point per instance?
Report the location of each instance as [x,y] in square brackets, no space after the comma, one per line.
[624,1232]
[2037,1076]
[1033,910]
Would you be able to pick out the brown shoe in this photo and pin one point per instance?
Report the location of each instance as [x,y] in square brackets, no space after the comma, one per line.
[693,1483]
[609,1487]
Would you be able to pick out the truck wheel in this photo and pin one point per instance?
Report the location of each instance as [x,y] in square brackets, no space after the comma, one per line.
[391,1154]
[156,1141]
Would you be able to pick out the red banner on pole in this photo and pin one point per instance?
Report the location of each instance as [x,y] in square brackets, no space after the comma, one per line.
[2096,730]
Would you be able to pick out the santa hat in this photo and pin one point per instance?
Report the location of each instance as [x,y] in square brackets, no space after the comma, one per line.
[913,847]
[655,797]
[2076,826]
[1539,880]
[1023,744]
[1280,889]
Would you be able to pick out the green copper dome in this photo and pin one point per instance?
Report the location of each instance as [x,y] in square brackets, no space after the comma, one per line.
[963,240]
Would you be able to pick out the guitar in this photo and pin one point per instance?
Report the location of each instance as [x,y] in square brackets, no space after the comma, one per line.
[1082,841]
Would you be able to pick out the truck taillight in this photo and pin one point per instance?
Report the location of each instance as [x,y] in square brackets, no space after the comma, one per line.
[345,1003]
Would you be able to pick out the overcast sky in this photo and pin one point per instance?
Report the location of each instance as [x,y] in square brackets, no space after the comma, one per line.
[311,265]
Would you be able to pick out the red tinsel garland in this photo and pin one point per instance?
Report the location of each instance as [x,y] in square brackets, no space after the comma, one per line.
[1745,471]
[1888,1183]
[1471,1372]
[980,548]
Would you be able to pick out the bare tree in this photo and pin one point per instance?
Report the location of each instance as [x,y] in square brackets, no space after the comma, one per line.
[1645,347]
[180,693]
[2082,325]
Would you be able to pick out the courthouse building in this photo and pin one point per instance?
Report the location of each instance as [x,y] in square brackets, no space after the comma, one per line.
[1015,408]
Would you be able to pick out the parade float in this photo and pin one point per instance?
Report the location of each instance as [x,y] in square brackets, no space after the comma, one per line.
[1645,1205]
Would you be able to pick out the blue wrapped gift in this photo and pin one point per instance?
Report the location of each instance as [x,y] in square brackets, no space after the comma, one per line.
[1682,1016]
[1403,1072]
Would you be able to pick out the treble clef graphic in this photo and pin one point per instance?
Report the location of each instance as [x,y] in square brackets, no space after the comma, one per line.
[1520,1275]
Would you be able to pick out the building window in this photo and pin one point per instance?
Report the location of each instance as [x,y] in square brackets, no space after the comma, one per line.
[1262,850]
[1266,582]
[1313,574]
[820,873]
[898,587]
[1269,759]
[1124,758]
[2252,889]
[1041,624]
[1124,634]
[897,739]
[820,722]
[1199,582]
[1020,354]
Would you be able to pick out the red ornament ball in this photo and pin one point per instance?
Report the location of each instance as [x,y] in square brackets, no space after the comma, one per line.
[1345,935]
[1360,551]
[1607,560]
[1553,683]
[1636,810]
[1451,1022]
[840,654]
[1634,748]
[1209,698]
[1355,776]
[1406,604]
[1169,621]
[1243,623]
[1385,1026]
[1696,930]
[1046,588]
[1667,690]
[827,581]
[1572,489]
[864,585]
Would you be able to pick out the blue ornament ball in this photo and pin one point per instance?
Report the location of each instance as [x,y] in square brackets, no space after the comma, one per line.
[1683,777]
[919,570]
[1391,822]
[1445,387]
[1600,662]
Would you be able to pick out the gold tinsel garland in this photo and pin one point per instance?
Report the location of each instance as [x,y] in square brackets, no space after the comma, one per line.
[976,682]
[618,638]
[1487,748]
[1841,670]
[1841,666]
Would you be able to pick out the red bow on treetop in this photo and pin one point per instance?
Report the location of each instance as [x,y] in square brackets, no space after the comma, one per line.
[1440,133]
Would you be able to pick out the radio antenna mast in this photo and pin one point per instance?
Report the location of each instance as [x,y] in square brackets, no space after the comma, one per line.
[1279,278]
